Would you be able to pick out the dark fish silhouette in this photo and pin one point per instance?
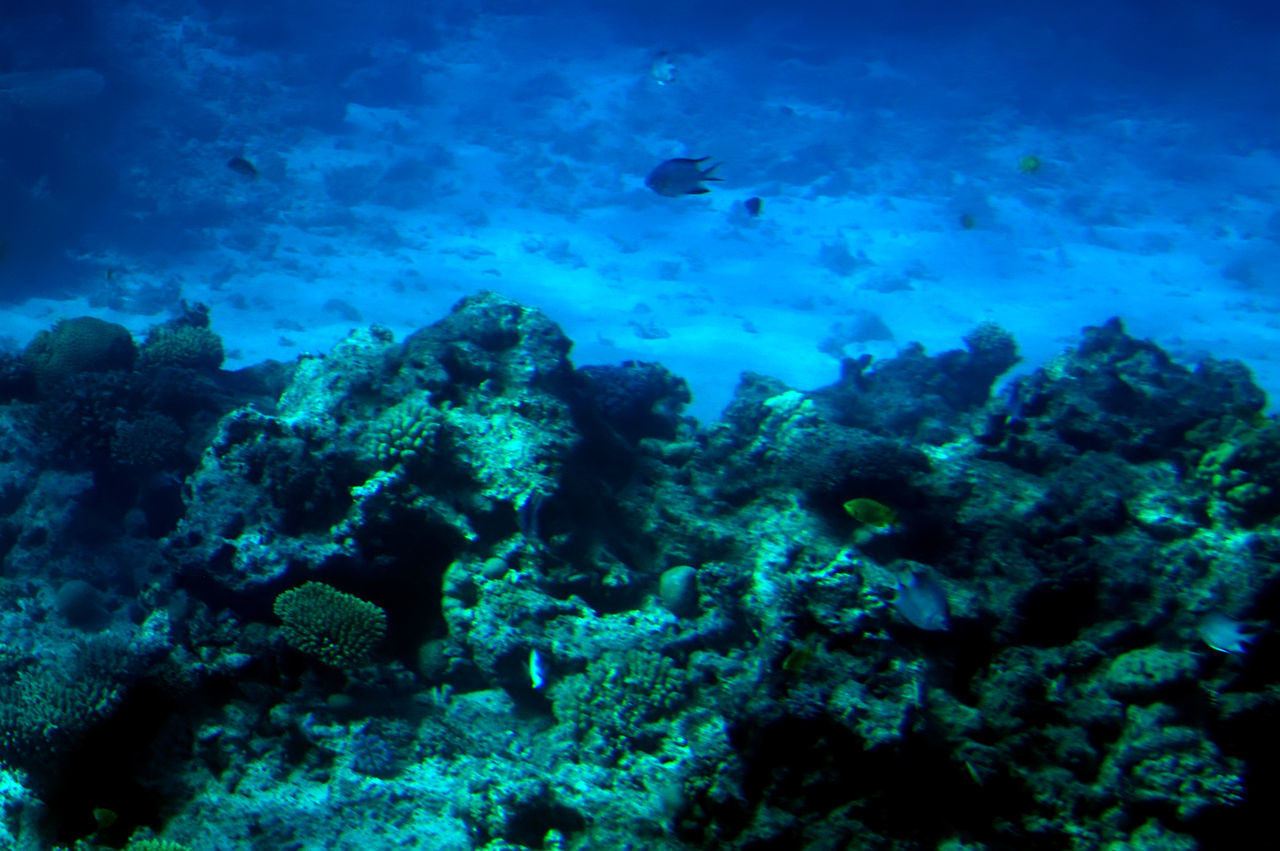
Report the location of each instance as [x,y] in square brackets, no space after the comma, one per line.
[754,206]
[680,176]
[243,167]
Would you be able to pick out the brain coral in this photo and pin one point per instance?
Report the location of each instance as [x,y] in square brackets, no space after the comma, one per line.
[82,344]
[338,628]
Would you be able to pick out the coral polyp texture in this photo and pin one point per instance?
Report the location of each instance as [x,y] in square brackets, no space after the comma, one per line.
[337,628]
[454,589]
[156,845]
[79,345]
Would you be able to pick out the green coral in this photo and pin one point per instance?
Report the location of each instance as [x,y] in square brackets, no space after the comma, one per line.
[1148,672]
[183,345]
[146,443]
[989,337]
[337,628]
[78,422]
[1153,836]
[74,346]
[155,845]
[405,433]
[620,702]
[1244,468]
[47,707]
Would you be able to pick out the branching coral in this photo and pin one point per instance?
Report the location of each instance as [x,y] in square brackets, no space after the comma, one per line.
[621,701]
[49,706]
[186,346]
[337,628]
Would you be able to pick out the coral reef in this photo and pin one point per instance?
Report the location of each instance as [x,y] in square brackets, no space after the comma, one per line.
[49,705]
[338,629]
[183,346]
[155,845]
[890,612]
[79,345]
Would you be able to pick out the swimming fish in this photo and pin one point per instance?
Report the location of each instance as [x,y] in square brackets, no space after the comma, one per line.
[243,167]
[537,670]
[681,176]
[754,206]
[1226,635]
[871,512]
[1029,164]
[663,70]
[922,601]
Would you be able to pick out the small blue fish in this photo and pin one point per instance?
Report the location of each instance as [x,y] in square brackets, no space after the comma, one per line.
[681,176]
[922,601]
[1226,635]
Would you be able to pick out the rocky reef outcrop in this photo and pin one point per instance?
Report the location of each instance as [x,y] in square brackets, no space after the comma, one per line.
[455,586]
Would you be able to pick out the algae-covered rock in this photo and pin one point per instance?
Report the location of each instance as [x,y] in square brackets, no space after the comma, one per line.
[1160,762]
[1149,672]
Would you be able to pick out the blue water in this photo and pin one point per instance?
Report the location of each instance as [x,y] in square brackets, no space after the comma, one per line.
[409,153]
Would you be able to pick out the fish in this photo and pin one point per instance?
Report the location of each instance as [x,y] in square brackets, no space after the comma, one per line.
[871,512]
[1225,634]
[663,70]
[922,601]
[537,670]
[1030,164]
[1015,401]
[243,167]
[681,176]
[754,206]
